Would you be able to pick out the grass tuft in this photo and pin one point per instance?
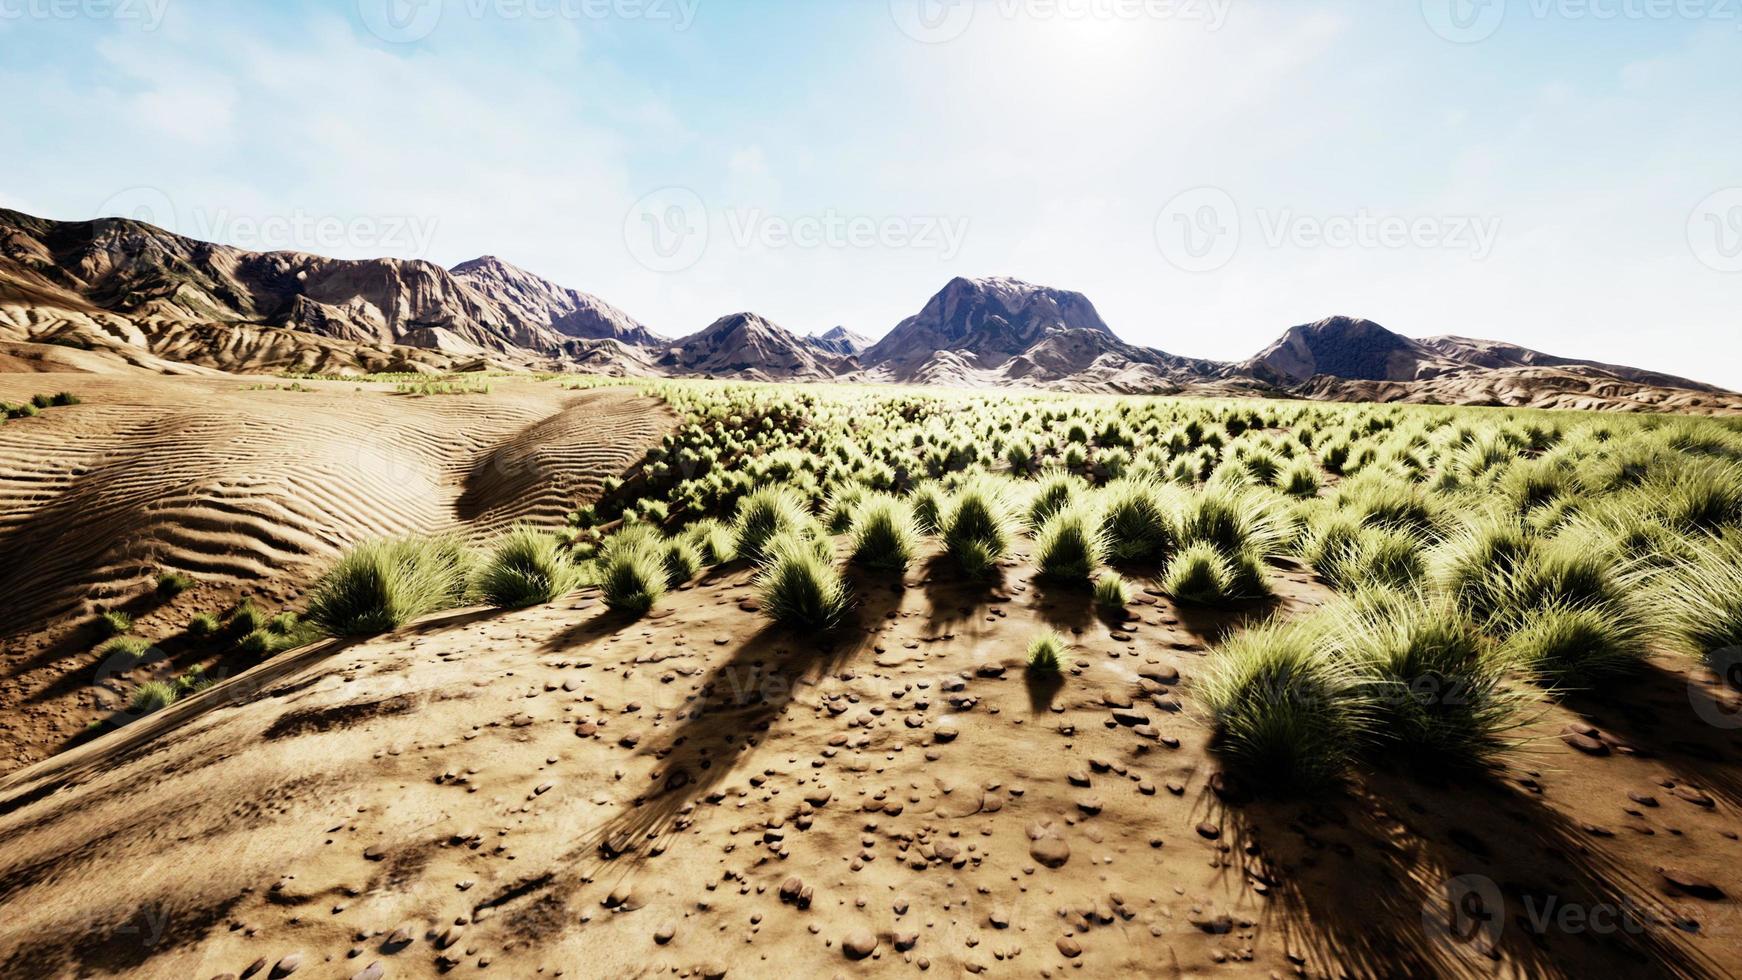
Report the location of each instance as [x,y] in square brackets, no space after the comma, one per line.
[172,584]
[381,585]
[1286,717]
[1046,653]
[1137,522]
[799,586]
[525,567]
[883,535]
[632,574]
[765,514]
[1068,546]
[1111,593]
[153,696]
[1573,646]
[976,529]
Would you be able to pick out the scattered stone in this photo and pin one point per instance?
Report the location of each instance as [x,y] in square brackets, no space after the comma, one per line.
[1691,884]
[859,944]
[1051,851]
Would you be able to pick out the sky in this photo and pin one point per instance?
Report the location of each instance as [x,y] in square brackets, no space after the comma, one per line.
[1562,174]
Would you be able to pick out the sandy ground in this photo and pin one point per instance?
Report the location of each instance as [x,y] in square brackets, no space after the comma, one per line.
[559,792]
[250,485]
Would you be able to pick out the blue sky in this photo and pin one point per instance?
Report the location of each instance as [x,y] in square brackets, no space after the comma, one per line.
[1557,173]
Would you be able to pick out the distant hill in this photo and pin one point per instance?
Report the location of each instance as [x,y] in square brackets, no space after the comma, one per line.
[114,294]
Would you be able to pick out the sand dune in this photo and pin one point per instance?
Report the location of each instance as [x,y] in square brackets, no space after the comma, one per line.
[555,792]
[251,490]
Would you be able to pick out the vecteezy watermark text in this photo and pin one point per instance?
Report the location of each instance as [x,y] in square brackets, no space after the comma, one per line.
[937,21]
[1202,229]
[670,229]
[406,21]
[1470,21]
[403,235]
[147,13]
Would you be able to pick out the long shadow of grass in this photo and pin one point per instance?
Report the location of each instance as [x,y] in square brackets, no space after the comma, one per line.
[953,598]
[1673,719]
[738,701]
[1409,877]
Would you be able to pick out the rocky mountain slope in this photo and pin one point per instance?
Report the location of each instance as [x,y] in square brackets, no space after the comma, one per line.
[137,297]
[117,280]
[745,345]
[840,340]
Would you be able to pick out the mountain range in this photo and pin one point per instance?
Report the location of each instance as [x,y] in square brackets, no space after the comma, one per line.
[87,294]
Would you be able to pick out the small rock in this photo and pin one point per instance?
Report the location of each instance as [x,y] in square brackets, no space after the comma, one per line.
[1691,884]
[859,944]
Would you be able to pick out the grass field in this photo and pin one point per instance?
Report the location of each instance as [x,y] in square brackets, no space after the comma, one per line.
[1486,558]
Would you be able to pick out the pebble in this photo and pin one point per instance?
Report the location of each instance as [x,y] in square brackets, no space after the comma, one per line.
[859,944]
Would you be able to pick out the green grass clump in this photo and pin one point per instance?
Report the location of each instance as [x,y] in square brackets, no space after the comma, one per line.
[929,503]
[383,584]
[1069,546]
[765,514]
[1046,653]
[1286,717]
[525,567]
[682,561]
[884,536]
[152,696]
[1301,479]
[1702,496]
[193,681]
[203,625]
[1055,492]
[1383,499]
[112,623]
[799,586]
[172,584]
[712,540]
[1474,565]
[1348,554]
[976,529]
[1574,646]
[1199,574]
[1138,523]
[127,646]
[1111,593]
[1233,520]
[842,506]
[1436,691]
[244,617]
[632,573]
[284,631]
[1698,603]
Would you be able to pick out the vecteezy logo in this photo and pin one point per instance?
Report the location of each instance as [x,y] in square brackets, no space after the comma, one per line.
[932,21]
[1715,230]
[1727,664]
[147,204]
[400,21]
[1464,21]
[1198,230]
[667,230]
[1467,915]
